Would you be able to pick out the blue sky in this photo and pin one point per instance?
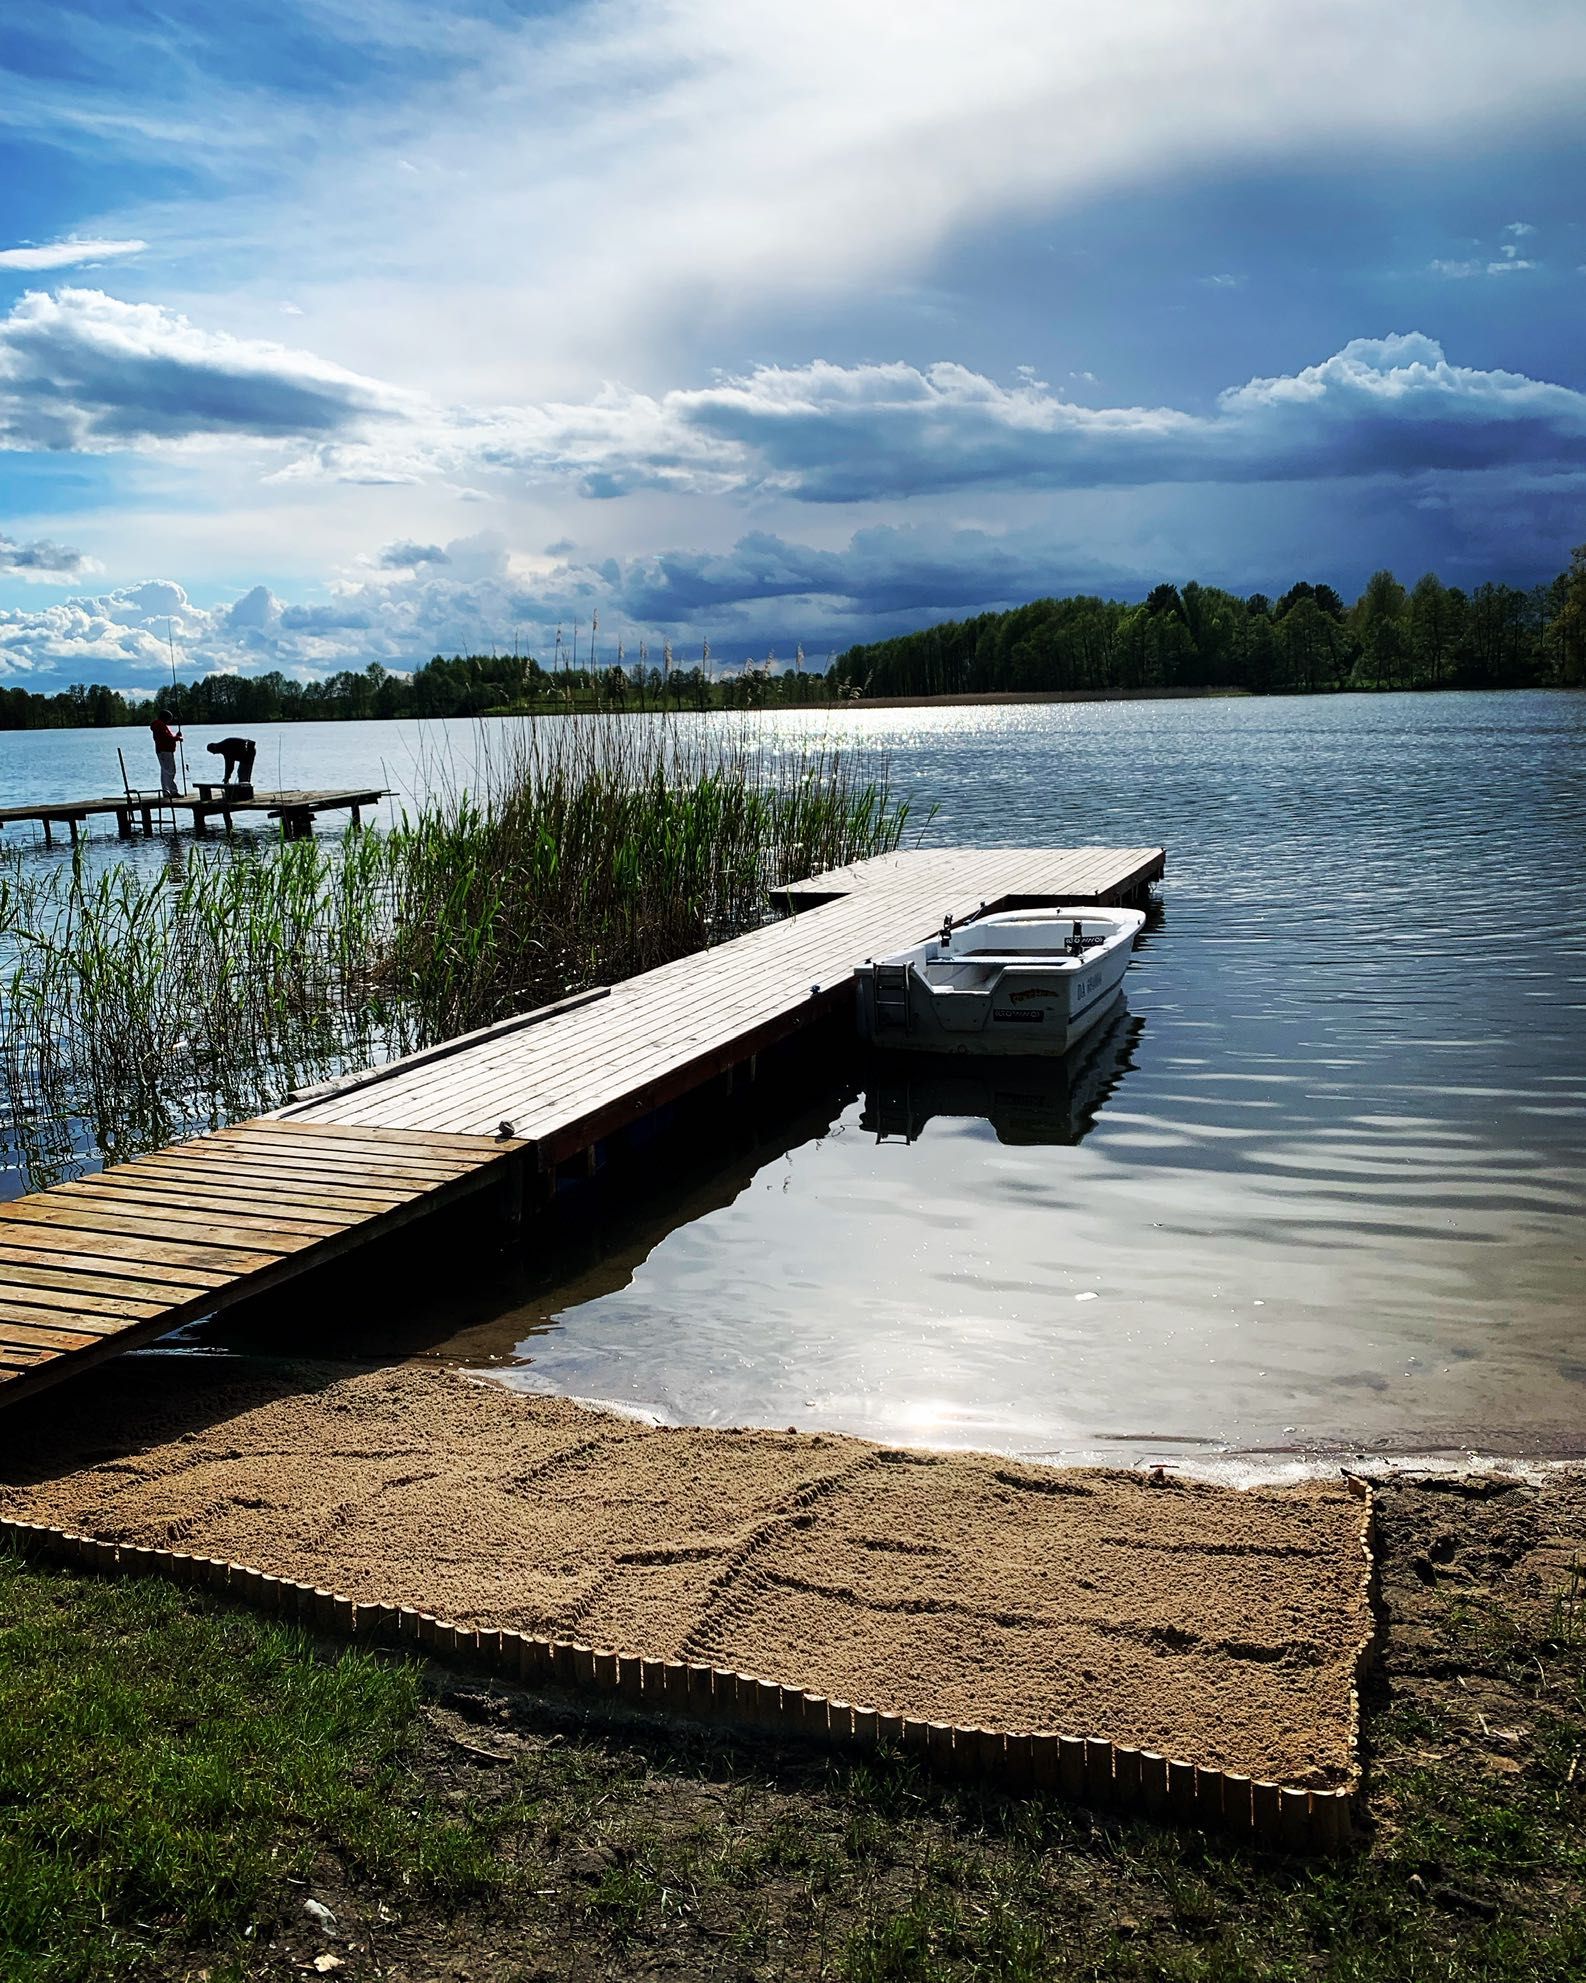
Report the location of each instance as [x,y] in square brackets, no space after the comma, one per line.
[337,331]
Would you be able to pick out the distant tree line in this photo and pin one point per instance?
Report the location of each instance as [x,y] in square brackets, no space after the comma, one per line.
[1194,636]
[1431,636]
[462,685]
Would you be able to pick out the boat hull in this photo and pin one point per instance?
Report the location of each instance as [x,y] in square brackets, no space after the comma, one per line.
[1028,1009]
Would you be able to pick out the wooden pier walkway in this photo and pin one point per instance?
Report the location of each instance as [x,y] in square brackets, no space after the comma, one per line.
[296,811]
[94,1267]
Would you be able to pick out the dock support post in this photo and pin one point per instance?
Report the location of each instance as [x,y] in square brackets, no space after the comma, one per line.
[49,837]
[148,821]
[510,1201]
[71,827]
[124,822]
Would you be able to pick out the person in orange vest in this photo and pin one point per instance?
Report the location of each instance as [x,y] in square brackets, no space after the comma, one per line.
[165,741]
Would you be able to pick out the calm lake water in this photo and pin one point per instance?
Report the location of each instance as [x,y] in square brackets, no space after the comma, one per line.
[1320,1185]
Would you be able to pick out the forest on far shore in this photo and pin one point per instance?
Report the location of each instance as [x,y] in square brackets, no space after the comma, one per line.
[1428,636]
[1431,636]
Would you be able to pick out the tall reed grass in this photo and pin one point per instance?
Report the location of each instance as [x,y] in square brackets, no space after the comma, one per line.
[137,1006]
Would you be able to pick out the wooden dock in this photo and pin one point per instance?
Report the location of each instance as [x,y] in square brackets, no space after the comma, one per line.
[91,1268]
[296,811]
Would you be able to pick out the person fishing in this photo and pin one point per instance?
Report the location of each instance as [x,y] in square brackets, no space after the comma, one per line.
[165,741]
[237,755]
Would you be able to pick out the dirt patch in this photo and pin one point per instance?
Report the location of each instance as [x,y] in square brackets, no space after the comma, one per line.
[1217,1625]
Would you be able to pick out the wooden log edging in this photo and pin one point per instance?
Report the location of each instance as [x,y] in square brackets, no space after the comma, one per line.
[1092,1770]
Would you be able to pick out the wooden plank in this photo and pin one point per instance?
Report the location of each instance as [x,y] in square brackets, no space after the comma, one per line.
[132,1219]
[251,1191]
[546,1116]
[264,1182]
[481,1037]
[103,1243]
[352,1174]
[119,1308]
[170,1213]
[535,1097]
[488,1091]
[32,1282]
[293,1178]
[357,1147]
[104,1186]
[242,1180]
[351,1168]
[296,1143]
[486,1147]
[17,1256]
[17,1325]
[619,1109]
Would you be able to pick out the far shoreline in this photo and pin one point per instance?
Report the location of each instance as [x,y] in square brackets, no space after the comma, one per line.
[775,706]
[970,699]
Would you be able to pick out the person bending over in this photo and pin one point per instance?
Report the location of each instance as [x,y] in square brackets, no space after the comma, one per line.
[237,754]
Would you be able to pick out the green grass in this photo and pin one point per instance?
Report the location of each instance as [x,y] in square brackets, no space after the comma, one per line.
[167,1771]
[175,1777]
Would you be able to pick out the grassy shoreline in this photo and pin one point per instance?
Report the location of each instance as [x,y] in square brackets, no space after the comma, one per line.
[177,1780]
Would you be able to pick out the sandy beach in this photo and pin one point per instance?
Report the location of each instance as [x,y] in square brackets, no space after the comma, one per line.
[1215,1624]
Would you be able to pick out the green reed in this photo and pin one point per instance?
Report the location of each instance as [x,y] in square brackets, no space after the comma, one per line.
[136,1006]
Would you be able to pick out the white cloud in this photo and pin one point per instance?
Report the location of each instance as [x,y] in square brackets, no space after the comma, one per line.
[712,159]
[82,370]
[1507,261]
[41,560]
[407,556]
[830,433]
[476,588]
[1511,264]
[123,629]
[678,122]
[71,253]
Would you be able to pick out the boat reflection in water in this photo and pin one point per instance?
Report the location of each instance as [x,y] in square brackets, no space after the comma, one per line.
[1035,1100]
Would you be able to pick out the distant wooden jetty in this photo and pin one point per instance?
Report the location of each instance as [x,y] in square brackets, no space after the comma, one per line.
[94,1267]
[296,811]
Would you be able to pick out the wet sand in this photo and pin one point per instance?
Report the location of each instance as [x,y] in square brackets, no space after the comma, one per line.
[1218,1625]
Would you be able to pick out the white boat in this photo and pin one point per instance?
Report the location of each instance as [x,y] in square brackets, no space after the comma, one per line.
[1018,982]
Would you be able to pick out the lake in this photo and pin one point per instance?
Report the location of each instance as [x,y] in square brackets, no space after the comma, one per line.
[1320,1187]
